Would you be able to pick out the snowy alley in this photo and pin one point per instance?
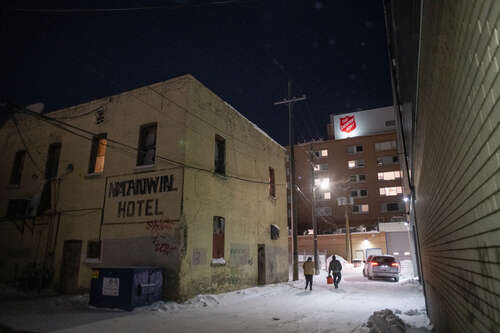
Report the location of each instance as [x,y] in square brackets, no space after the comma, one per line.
[284,307]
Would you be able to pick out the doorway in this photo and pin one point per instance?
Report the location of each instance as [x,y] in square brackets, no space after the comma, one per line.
[359,255]
[70,267]
[261,263]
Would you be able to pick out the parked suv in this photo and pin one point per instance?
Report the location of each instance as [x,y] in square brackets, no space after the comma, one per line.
[382,266]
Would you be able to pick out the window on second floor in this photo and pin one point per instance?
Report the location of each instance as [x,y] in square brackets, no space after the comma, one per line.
[272,184]
[391,191]
[359,193]
[355,149]
[52,164]
[386,145]
[147,145]
[218,237]
[220,155]
[392,207]
[389,175]
[387,160]
[321,167]
[97,153]
[360,209]
[17,168]
[357,178]
[356,164]
[321,153]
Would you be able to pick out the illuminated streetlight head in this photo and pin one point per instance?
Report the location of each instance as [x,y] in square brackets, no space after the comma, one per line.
[405,199]
[324,184]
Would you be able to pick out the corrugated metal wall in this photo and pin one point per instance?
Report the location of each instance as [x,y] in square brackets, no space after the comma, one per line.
[457,163]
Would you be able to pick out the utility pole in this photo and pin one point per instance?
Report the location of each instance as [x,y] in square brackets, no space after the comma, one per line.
[313,210]
[348,245]
[346,202]
[291,142]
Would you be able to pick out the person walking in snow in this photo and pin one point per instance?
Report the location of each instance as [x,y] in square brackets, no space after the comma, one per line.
[308,273]
[335,267]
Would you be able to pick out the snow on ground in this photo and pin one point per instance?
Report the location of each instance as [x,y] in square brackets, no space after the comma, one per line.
[283,307]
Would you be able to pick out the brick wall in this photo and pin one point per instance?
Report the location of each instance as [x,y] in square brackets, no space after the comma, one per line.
[457,163]
[335,244]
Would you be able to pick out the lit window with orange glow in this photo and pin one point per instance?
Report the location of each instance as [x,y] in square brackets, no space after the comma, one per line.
[98,154]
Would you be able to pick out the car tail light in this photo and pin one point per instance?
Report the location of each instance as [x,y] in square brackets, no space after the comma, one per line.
[374,263]
[395,264]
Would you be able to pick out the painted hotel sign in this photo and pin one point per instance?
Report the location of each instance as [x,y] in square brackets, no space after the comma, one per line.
[143,197]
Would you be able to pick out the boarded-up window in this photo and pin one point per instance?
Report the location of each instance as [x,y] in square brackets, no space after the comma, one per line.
[97,154]
[275,232]
[52,161]
[218,238]
[147,145]
[272,184]
[17,168]
[220,155]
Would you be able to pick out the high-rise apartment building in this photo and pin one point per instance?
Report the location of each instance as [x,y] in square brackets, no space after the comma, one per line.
[360,160]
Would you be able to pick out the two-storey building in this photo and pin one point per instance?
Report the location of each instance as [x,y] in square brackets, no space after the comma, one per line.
[167,175]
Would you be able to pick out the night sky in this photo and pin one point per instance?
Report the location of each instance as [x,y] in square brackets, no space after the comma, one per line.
[244,51]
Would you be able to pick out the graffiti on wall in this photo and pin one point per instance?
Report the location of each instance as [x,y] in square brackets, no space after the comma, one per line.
[239,255]
[162,242]
[199,257]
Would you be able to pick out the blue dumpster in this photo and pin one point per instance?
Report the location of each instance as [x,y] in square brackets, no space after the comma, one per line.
[125,287]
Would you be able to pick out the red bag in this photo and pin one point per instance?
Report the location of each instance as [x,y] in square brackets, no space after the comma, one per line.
[329,279]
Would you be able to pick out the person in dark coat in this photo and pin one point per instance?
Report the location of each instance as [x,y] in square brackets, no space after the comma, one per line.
[336,268]
[309,272]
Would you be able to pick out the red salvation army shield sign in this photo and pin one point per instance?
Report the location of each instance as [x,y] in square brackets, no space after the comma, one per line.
[347,124]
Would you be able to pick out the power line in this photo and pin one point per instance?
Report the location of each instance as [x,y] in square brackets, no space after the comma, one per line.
[61,125]
[16,125]
[309,201]
[125,9]
[80,115]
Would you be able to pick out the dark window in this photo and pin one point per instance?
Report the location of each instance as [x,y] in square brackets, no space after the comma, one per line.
[97,154]
[275,232]
[392,206]
[17,208]
[147,145]
[17,168]
[354,193]
[359,149]
[53,161]
[355,208]
[362,177]
[272,185]
[93,249]
[218,238]
[395,159]
[384,260]
[363,193]
[354,178]
[220,155]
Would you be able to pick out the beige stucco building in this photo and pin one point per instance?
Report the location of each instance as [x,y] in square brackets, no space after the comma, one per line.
[166,175]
